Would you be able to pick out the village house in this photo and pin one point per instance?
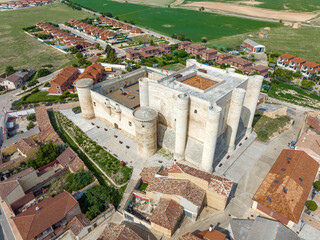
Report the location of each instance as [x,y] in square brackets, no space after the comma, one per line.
[218,189]
[27,147]
[309,68]
[184,44]
[94,71]
[222,57]
[284,60]
[133,54]
[149,51]
[165,48]
[63,82]
[15,80]
[208,54]
[195,49]
[239,63]
[253,47]
[296,63]
[69,159]
[262,70]
[309,143]
[209,234]
[136,30]
[166,217]
[115,231]
[283,193]
[48,218]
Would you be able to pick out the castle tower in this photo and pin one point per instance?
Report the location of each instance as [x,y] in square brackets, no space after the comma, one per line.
[234,117]
[181,126]
[144,92]
[251,101]
[145,119]
[83,88]
[212,129]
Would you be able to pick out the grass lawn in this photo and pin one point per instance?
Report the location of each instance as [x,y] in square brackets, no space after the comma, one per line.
[143,186]
[44,97]
[173,67]
[22,51]
[293,5]
[289,93]
[303,42]
[192,24]
[265,126]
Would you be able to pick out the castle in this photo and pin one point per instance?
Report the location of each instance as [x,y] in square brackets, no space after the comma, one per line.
[198,113]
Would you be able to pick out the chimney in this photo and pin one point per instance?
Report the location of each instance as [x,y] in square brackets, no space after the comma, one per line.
[210,228]
[174,161]
[37,208]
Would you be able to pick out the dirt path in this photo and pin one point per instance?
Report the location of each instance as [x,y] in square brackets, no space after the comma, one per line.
[254,11]
[176,3]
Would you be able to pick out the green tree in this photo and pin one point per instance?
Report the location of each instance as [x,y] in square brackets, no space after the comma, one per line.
[317,185]
[30,125]
[182,53]
[79,55]
[73,50]
[97,199]
[151,42]
[46,153]
[312,205]
[23,87]
[9,70]
[77,181]
[43,72]
[307,83]
[82,61]
[238,71]
[97,45]
[31,117]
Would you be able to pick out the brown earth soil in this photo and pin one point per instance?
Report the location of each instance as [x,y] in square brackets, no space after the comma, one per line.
[254,11]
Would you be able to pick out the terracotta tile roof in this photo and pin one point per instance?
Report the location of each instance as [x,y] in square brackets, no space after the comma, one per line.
[211,235]
[298,60]
[209,50]
[259,68]
[13,78]
[217,184]
[287,56]
[22,201]
[183,188]
[26,144]
[78,223]
[189,236]
[309,141]
[70,158]
[181,168]
[44,124]
[149,172]
[220,185]
[167,214]
[65,74]
[118,232]
[239,61]
[32,222]
[287,185]
[311,64]
[8,185]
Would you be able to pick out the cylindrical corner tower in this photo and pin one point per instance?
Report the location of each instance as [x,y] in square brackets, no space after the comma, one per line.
[181,126]
[234,117]
[83,88]
[251,101]
[145,119]
[144,92]
[209,146]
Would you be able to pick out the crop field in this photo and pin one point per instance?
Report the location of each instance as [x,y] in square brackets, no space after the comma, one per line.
[156,2]
[22,51]
[192,24]
[303,42]
[293,5]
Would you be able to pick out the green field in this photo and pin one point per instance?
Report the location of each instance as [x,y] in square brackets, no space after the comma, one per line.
[293,5]
[156,2]
[22,51]
[192,24]
[303,42]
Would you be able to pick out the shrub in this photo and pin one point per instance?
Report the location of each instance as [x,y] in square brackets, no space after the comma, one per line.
[43,72]
[312,205]
[31,117]
[45,154]
[317,184]
[30,125]
[9,70]
[78,180]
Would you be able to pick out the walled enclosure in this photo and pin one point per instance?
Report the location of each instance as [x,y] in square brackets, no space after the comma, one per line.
[202,112]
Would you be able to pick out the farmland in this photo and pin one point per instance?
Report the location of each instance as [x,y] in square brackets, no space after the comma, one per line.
[302,42]
[293,5]
[22,51]
[192,24]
